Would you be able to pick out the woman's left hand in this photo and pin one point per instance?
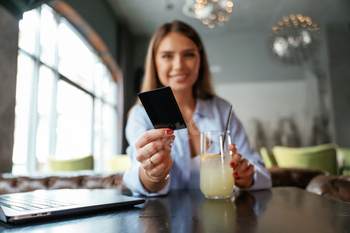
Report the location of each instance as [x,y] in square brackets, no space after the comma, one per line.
[243,170]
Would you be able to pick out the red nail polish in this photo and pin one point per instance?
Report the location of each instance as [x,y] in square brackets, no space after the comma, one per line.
[169,131]
[235,174]
[232,164]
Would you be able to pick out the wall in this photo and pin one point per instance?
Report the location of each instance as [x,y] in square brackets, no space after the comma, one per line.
[133,71]
[139,53]
[8,71]
[271,103]
[339,51]
[265,91]
[244,56]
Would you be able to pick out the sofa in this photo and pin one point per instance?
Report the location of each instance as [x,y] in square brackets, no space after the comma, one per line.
[72,180]
[321,169]
[312,180]
[337,187]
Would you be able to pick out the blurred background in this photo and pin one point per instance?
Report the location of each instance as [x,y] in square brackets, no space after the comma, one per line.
[70,71]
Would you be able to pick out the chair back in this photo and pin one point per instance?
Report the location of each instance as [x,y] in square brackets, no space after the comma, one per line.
[75,164]
[344,158]
[268,157]
[321,157]
[118,163]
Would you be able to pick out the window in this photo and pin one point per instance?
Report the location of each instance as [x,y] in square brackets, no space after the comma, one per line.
[66,98]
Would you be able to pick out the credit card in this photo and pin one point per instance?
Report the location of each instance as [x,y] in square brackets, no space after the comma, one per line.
[162,108]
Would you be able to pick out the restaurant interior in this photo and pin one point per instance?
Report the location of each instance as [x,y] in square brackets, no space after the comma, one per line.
[283,65]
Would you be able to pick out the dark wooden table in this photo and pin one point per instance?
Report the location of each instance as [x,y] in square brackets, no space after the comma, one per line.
[277,210]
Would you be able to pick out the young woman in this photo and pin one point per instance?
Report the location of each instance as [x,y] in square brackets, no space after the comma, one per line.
[163,159]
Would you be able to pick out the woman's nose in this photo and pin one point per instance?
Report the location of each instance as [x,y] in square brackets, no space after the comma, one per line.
[178,63]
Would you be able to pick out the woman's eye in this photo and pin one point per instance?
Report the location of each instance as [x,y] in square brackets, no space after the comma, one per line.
[167,56]
[189,54]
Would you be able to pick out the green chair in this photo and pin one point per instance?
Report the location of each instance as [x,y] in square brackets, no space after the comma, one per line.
[74,164]
[268,157]
[118,163]
[344,158]
[321,157]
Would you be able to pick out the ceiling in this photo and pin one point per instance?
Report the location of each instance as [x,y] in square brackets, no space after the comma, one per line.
[144,17]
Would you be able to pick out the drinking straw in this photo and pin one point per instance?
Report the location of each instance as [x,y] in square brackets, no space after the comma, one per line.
[227,123]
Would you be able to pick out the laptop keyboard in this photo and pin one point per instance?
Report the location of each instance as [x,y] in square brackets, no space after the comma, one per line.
[30,203]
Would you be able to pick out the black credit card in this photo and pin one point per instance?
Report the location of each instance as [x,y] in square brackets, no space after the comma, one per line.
[162,108]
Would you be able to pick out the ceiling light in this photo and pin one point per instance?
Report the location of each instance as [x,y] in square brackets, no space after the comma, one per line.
[213,12]
[293,38]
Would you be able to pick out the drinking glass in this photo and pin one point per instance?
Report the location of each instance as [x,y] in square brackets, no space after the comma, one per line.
[216,174]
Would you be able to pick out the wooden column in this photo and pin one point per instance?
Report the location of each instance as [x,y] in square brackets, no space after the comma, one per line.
[8,72]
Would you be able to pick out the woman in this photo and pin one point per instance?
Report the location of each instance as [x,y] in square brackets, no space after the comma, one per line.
[163,159]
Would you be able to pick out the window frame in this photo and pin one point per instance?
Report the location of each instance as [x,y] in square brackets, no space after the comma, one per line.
[64,11]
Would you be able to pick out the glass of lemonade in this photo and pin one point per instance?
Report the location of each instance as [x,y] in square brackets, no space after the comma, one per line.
[216,174]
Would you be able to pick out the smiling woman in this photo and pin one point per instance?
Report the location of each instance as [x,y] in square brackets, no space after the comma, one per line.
[176,58]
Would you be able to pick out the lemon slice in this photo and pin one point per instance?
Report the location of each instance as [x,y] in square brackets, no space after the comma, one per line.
[211,156]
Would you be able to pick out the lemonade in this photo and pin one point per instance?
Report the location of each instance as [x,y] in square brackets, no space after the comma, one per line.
[216,179]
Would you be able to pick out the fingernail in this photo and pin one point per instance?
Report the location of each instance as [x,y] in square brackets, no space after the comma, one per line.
[232,164]
[173,136]
[237,178]
[235,174]
[169,131]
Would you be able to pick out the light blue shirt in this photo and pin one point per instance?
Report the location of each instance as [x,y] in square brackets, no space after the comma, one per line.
[209,115]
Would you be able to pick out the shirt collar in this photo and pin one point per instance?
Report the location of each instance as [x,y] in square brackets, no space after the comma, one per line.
[203,109]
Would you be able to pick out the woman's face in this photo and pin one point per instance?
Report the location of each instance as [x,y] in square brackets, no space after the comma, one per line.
[177,62]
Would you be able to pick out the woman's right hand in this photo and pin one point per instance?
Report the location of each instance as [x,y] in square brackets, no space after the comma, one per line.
[153,152]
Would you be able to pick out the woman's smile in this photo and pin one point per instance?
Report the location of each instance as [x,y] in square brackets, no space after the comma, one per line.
[179,77]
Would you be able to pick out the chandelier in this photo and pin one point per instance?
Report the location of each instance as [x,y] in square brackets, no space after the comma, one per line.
[294,38]
[213,12]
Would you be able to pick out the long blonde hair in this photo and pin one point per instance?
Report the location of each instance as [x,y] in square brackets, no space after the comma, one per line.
[203,88]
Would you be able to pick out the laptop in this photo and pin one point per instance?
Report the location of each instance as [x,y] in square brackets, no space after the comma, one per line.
[20,207]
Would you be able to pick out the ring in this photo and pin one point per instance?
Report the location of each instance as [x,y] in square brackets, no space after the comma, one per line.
[149,162]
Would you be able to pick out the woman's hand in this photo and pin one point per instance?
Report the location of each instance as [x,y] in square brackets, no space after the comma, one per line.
[243,170]
[153,152]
